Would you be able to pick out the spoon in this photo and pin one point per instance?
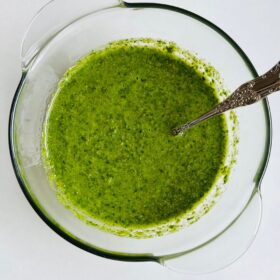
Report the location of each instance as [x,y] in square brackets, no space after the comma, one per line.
[248,93]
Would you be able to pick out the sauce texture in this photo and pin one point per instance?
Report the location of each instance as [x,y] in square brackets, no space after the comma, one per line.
[108,146]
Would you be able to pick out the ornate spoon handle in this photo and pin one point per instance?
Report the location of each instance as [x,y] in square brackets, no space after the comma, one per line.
[246,94]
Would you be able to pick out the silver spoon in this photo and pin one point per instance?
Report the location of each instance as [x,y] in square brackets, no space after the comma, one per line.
[246,94]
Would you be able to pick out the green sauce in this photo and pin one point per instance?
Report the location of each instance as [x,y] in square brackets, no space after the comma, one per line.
[108,145]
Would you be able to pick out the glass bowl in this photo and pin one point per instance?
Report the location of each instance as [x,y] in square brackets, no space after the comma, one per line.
[55,40]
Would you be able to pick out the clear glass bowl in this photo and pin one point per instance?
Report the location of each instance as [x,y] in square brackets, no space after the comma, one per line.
[57,37]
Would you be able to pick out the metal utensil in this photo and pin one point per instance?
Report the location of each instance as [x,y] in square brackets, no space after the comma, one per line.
[246,94]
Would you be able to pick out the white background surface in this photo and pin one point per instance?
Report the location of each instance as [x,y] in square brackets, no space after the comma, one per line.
[29,249]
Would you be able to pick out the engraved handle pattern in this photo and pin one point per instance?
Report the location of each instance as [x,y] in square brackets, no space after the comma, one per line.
[246,94]
[253,91]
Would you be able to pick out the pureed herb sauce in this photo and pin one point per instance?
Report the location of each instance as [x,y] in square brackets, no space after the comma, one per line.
[108,145]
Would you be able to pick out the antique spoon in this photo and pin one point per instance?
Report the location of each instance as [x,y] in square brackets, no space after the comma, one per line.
[246,94]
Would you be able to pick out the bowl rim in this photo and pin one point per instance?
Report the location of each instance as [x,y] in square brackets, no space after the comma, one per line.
[140,257]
